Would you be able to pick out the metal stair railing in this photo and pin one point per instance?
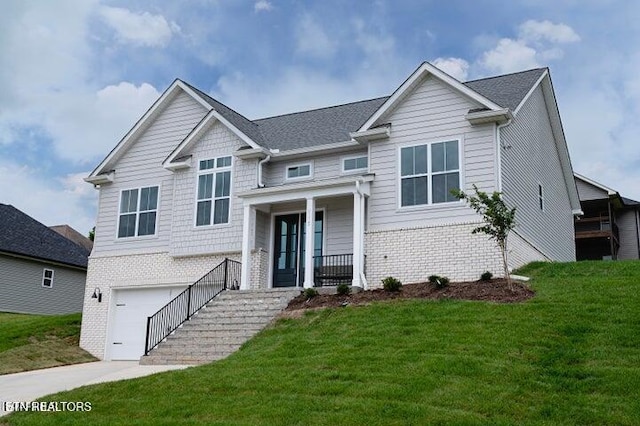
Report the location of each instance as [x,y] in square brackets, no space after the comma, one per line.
[225,276]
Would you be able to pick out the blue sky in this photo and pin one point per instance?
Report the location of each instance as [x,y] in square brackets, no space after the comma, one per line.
[76,75]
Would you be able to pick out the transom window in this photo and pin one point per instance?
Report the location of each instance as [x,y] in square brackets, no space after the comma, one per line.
[298,171]
[47,278]
[429,172]
[214,191]
[355,163]
[138,212]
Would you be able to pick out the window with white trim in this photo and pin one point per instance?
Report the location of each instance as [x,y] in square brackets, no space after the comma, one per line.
[299,171]
[352,164]
[540,197]
[138,212]
[429,172]
[214,191]
[47,278]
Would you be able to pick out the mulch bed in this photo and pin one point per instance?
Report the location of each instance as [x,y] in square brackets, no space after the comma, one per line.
[495,290]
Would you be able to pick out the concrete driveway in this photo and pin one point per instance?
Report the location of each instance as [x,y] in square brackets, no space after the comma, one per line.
[31,385]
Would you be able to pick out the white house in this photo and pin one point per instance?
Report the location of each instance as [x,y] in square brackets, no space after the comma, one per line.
[301,198]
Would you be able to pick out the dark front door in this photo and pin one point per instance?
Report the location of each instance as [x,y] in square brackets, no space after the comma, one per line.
[288,268]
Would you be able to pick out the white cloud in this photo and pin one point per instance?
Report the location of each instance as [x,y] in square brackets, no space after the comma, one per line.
[375,44]
[547,30]
[537,44]
[262,6]
[510,55]
[455,67]
[311,39]
[140,29]
[53,202]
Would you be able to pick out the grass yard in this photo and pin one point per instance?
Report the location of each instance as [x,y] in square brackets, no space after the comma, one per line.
[30,342]
[570,355]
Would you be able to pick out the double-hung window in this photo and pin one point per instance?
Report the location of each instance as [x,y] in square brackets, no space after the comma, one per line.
[214,191]
[138,212]
[429,172]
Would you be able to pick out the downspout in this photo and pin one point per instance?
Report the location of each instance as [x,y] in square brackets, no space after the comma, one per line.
[499,142]
[363,279]
[260,164]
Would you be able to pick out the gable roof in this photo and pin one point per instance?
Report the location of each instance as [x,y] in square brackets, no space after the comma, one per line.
[507,90]
[323,126]
[22,235]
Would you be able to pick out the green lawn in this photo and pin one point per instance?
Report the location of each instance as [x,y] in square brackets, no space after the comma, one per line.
[29,342]
[571,355]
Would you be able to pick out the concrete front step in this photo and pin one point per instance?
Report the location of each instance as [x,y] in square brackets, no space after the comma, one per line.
[221,327]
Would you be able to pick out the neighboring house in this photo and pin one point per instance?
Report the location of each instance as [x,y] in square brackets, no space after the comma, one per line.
[41,272]
[610,226]
[297,197]
[73,235]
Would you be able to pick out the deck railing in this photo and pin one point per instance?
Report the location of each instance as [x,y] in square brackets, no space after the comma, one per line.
[225,276]
[333,269]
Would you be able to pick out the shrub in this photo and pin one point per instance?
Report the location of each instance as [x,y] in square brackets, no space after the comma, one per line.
[486,276]
[343,289]
[434,278]
[310,293]
[442,282]
[391,284]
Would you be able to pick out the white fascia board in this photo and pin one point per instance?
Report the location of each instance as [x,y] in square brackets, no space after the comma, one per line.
[299,152]
[376,133]
[290,192]
[251,153]
[101,179]
[530,92]
[425,68]
[480,117]
[560,141]
[140,125]
[596,184]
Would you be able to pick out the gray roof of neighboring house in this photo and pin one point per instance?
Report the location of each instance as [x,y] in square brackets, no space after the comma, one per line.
[630,202]
[333,124]
[22,235]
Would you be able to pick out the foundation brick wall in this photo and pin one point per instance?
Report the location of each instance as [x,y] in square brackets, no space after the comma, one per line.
[145,270]
[412,254]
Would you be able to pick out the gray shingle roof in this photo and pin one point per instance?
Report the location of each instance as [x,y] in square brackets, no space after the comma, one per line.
[507,90]
[630,202]
[333,124]
[318,126]
[22,235]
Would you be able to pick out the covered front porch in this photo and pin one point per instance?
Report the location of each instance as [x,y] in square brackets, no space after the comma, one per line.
[305,235]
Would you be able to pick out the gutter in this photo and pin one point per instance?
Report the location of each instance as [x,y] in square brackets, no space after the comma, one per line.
[260,164]
[499,127]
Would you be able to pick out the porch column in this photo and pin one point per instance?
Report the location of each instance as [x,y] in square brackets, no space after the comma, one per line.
[248,232]
[309,246]
[357,237]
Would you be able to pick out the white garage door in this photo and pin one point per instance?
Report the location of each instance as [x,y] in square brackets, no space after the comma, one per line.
[131,308]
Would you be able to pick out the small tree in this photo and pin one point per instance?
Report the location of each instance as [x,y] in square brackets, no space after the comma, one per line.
[498,218]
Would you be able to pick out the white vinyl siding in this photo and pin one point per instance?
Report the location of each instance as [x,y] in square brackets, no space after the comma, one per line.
[141,166]
[325,166]
[628,227]
[214,191]
[433,112]
[532,161]
[188,239]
